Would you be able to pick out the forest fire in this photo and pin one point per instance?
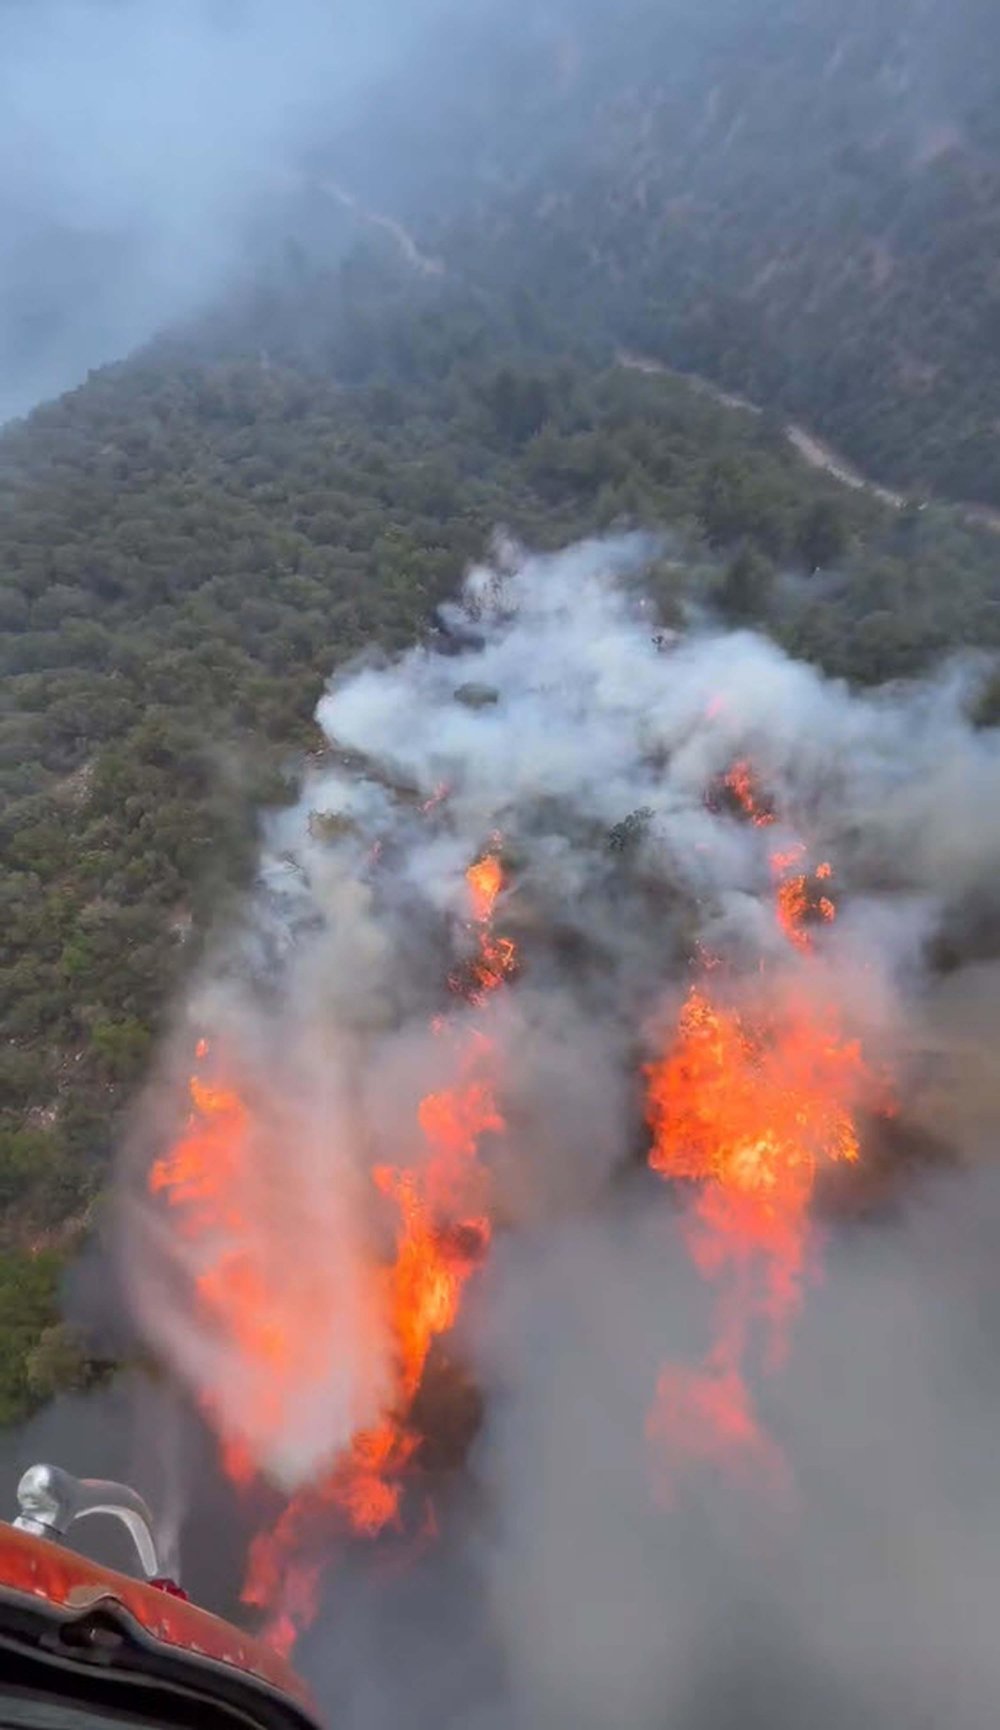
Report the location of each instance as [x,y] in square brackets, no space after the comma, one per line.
[754,1097]
[756,1094]
[274,1319]
[248,1295]
[799,900]
[507,1313]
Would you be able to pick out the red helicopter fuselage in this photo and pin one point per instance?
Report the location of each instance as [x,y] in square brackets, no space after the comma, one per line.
[84,1647]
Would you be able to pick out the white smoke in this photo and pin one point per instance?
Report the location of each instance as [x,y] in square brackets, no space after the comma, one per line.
[549,723]
[865,1603]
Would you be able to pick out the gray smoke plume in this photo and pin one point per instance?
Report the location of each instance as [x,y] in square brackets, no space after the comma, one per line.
[549,725]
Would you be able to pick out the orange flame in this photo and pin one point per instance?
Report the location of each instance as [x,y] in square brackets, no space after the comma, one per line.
[749,1106]
[442,1234]
[485,880]
[750,1113]
[705,1415]
[742,783]
[796,899]
[250,1298]
[198,1172]
[496,957]
[203,1177]
[792,906]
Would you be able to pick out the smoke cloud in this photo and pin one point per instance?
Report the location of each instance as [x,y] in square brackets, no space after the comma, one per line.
[548,729]
[864,1601]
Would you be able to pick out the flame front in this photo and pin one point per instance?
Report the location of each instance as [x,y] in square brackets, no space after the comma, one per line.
[442,1233]
[749,1113]
[755,1095]
[749,1103]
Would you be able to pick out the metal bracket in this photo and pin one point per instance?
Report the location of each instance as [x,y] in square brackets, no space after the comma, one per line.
[51,1500]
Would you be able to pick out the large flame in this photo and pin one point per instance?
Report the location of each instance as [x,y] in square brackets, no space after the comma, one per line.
[277,1318]
[749,1102]
[441,1234]
[756,1093]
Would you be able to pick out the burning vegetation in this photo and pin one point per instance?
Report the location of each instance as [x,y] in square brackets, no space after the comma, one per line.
[749,1102]
[498,947]
[272,1313]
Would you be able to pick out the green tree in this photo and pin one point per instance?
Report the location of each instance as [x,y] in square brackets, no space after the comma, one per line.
[28,1300]
[821,538]
[745,592]
[59,1363]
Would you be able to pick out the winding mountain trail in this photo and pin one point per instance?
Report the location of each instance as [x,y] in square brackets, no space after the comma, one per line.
[811,449]
[421,261]
[821,456]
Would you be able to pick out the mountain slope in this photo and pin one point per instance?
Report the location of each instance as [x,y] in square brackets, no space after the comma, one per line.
[193,540]
[801,200]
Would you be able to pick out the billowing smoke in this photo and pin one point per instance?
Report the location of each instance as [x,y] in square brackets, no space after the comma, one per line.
[553,1441]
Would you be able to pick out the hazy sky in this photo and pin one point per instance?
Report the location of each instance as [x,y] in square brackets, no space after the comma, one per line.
[135,138]
[138,137]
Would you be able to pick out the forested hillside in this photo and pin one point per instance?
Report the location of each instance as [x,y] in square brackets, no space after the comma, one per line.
[189,544]
[801,200]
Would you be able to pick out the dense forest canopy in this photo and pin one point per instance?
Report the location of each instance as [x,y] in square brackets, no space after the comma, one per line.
[801,200]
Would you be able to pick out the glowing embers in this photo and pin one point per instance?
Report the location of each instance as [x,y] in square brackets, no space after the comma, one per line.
[800,897]
[756,1094]
[799,900]
[741,783]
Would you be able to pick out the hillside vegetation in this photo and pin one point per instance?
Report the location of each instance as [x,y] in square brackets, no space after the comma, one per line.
[800,200]
[193,540]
